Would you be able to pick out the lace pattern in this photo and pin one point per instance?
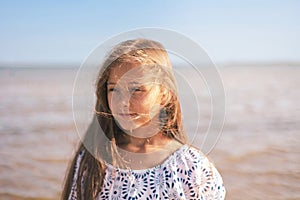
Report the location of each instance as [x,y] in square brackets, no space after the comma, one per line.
[186,174]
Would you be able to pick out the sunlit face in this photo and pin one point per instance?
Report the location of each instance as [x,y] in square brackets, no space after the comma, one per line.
[133,99]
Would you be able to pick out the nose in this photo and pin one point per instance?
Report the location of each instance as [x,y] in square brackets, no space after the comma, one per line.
[124,102]
[121,99]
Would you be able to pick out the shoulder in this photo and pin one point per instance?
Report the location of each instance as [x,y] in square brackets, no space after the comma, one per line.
[194,159]
[200,172]
[77,164]
[79,156]
[73,193]
[189,156]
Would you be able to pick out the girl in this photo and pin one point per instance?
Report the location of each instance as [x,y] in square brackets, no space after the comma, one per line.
[135,147]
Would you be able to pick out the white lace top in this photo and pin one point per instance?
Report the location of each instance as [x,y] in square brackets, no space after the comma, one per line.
[186,174]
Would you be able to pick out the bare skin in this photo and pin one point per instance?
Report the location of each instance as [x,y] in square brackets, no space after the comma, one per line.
[135,109]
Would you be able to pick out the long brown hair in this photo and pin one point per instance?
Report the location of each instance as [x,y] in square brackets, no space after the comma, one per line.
[139,51]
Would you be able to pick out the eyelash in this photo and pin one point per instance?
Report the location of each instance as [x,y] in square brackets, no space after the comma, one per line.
[138,89]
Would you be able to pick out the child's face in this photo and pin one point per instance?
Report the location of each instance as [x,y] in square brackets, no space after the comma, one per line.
[132,97]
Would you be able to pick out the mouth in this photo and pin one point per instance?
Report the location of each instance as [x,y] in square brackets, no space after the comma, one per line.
[128,115]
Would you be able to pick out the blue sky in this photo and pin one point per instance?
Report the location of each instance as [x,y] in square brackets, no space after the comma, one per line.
[56,31]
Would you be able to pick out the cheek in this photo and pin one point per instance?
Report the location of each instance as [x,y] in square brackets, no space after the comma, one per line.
[153,99]
[109,101]
[145,104]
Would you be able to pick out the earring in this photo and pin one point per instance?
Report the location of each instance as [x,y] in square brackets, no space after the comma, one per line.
[163,115]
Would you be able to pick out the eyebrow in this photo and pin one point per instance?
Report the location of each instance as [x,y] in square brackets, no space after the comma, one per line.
[112,83]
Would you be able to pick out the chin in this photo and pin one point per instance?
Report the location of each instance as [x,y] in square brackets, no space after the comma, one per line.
[127,126]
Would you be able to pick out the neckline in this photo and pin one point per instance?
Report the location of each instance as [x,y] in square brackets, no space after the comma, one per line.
[165,162]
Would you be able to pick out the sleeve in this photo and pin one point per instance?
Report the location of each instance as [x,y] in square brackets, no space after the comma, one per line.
[217,189]
[214,187]
[73,191]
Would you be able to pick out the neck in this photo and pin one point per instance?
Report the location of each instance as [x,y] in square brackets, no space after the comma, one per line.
[144,145]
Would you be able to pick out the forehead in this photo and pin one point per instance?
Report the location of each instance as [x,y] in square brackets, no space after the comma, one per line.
[125,71]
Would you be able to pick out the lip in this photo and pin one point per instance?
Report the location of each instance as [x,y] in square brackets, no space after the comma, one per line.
[127,114]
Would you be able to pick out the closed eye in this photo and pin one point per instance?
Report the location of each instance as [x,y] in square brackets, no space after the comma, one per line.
[131,90]
[137,89]
[112,90]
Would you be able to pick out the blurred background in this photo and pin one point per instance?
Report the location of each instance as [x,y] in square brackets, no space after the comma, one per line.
[255,44]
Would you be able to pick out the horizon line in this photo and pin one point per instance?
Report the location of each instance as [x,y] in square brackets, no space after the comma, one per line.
[53,65]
